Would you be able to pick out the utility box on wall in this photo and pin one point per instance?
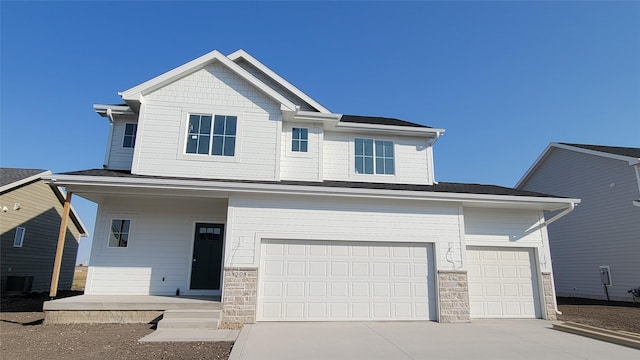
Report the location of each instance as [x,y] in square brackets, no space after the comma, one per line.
[605,275]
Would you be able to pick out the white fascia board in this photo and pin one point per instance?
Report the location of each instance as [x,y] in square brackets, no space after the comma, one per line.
[390,128]
[540,203]
[277,78]
[15,184]
[136,92]
[115,109]
[533,166]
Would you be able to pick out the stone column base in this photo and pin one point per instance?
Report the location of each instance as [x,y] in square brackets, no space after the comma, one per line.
[239,296]
[549,306]
[453,295]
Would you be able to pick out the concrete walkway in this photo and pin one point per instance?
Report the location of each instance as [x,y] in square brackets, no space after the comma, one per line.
[486,339]
[184,335]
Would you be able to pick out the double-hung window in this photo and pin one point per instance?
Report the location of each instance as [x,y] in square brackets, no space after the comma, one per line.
[129,139]
[299,139]
[374,157]
[214,135]
[119,233]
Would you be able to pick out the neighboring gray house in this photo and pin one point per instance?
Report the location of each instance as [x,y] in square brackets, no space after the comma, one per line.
[30,213]
[603,233]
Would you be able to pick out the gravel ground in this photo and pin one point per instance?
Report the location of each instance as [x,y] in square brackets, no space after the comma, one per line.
[22,335]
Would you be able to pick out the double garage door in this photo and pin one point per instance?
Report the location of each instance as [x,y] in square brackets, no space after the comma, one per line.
[333,281]
[503,283]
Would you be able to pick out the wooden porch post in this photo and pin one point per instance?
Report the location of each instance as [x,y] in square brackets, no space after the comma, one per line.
[61,237]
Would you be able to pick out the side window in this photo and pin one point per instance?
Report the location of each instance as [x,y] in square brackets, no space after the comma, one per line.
[119,233]
[19,237]
[217,137]
[300,139]
[129,139]
[374,157]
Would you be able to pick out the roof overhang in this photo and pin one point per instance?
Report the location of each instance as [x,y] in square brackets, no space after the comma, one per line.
[105,110]
[85,185]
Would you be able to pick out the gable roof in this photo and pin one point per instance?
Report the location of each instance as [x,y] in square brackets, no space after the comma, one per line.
[135,93]
[628,154]
[12,178]
[379,121]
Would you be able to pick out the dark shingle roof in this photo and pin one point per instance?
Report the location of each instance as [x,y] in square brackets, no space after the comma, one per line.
[442,187]
[11,175]
[616,150]
[379,121]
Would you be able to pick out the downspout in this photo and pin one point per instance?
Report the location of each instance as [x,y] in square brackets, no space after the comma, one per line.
[560,215]
[430,142]
[107,156]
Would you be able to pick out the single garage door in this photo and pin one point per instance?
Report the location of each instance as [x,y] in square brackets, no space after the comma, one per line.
[335,280]
[503,283]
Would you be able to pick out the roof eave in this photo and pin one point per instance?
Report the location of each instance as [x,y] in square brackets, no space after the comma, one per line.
[390,128]
[26,180]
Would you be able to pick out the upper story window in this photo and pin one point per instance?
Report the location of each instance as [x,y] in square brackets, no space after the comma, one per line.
[300,139]
[374,157]
[119,234]
[218,138]
[19,237]
[129,139]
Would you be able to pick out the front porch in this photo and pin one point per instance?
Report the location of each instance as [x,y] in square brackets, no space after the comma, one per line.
[122,308]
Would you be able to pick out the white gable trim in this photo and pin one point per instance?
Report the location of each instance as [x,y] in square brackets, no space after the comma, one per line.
[547,151]
[26,180]
[136,93]
[277,78]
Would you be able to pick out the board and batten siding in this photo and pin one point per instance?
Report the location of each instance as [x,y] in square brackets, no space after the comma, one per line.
[410,153]
[40,214]
[301,165]
[119,157]
[253,218]
[603,230]
[158,257]
[214,90]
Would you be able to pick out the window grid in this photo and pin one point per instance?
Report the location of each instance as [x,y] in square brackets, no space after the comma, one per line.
[119,236]
[199,135]
[129,139]
[224,135]
[300,140]
[374,156]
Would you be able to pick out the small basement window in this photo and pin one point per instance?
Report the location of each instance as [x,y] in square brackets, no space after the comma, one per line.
[119,236]
[19,237]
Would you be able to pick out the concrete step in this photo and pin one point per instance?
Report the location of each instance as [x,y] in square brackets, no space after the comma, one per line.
[191,314]
[188,324]
[624,338]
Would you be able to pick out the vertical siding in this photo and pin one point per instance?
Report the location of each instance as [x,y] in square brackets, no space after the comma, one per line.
[160,244]
[411,159]
[603,230]
[120,157]
[318,218]
[211,90]
[40,214]
[299,165]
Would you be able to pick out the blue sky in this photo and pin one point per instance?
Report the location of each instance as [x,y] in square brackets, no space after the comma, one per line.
[503,78]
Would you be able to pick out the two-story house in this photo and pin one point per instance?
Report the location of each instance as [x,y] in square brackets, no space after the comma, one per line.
[222,178]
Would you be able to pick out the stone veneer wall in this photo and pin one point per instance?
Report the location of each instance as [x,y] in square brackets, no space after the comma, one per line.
[549,303]
[239,295]
[453,291]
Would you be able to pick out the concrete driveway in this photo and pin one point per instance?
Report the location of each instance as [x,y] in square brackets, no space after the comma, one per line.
[486,339]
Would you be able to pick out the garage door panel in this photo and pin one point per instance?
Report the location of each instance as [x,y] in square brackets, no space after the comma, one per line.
[501,283]
[375,281]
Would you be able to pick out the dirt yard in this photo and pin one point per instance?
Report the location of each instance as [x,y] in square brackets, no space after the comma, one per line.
[22,335]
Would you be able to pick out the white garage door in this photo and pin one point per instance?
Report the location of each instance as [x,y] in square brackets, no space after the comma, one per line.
[502,283]
[334,280]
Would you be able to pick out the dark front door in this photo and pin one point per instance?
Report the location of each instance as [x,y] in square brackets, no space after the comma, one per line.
[207,257]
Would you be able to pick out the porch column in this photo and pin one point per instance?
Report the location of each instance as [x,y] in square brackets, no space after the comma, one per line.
[61,237]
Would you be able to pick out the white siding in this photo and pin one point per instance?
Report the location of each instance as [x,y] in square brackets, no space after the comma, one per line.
[411,159]
[211,90]
[120,157]
[252,219]
[160,244]
[301,165]
[603,230]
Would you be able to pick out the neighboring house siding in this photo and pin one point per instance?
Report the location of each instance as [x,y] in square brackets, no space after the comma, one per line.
[120,157]
[212,90]
[323,218]
[301,165]
[159,246]
[603,230]
[410,153]
[40,214]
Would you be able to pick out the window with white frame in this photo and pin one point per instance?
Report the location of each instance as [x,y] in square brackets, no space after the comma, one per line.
[119,233]
[374,157]
[299,139]
[211,135]
[19,237]
[129,139]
